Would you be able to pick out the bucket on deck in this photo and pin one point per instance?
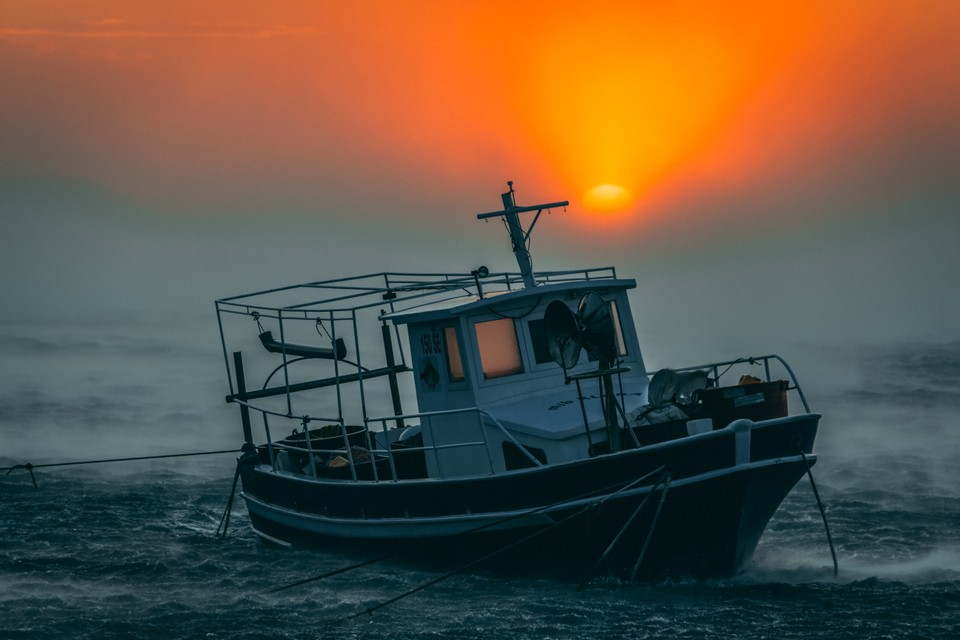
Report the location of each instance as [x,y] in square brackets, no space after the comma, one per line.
[754,401]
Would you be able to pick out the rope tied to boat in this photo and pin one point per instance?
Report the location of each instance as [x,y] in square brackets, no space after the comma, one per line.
[369,610]
[823,512]
[249,452]
[662,483]
[30,467]
[653,525]
[591,507]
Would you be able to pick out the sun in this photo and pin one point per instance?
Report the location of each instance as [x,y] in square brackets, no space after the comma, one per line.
[607,197]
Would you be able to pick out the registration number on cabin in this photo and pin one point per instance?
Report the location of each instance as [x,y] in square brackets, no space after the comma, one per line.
[430,343]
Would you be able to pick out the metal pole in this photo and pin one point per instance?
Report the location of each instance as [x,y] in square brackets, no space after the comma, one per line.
[392,377]
[613,424]
[242,391]
[517,238]
[511,214]
[586,422]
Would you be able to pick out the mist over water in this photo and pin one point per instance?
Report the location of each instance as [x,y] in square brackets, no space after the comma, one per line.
[75,390]
[127,549]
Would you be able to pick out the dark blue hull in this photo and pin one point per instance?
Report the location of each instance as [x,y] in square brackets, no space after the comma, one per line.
[703,502]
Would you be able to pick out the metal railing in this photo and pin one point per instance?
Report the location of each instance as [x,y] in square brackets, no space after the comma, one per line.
[382,452]
[485,421]
[714,368]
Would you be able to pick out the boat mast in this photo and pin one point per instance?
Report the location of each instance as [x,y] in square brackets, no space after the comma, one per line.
[518,237]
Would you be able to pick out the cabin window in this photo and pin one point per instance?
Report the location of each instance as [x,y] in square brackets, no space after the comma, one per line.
[454,363]
[538,339]
[619,343]
[499,349]
[617,329]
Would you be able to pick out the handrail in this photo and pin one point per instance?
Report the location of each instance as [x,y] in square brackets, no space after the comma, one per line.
[300,418]
[509,437]
[793,377]
[715,366]
[308,448]
[482,413]
[360,292]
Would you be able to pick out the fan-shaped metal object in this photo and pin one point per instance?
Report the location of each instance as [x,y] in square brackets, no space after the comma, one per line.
[562,331]
[662,387]
[597,331]
[688,383]
[668,386]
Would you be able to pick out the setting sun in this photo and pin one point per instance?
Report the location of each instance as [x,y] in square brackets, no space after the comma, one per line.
[607,198]
[626,99]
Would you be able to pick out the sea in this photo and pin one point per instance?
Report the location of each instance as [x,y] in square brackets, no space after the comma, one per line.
[114,550]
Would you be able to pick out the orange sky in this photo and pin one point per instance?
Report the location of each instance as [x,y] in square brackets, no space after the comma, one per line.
[674,103]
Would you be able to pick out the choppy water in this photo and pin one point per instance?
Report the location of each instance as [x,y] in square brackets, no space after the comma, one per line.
[127,550]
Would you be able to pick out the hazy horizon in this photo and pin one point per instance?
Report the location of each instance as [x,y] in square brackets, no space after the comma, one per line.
[791,169]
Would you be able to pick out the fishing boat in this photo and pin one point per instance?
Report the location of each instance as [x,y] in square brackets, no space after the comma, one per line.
[506,416]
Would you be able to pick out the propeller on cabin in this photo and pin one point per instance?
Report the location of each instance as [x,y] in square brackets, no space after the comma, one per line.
[597,331]
[562,330]
[591,328]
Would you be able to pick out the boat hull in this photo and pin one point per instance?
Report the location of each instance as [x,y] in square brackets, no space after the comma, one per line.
[695,506]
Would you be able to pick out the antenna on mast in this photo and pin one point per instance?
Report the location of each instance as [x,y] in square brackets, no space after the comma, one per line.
[518,237]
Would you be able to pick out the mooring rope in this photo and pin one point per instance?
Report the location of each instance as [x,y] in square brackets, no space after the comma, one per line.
[462,568]
[248,452]
[30,467]
[613,543]
[225,518]
[823,513]
[488,525]
[591,506]
[332,573]
[653,526]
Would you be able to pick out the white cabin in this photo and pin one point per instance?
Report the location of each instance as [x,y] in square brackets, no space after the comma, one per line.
[492,353]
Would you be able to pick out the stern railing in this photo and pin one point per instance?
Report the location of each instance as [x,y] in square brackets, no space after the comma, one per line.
[379,444]
[728,365]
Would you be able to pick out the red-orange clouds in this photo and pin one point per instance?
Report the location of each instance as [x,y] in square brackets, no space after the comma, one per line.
[627,95]
[230,100]
[866,106]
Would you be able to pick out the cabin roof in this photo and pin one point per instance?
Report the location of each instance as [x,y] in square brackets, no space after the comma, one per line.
[455,307]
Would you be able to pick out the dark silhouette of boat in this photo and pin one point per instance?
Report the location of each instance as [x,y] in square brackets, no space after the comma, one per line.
[533,434]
